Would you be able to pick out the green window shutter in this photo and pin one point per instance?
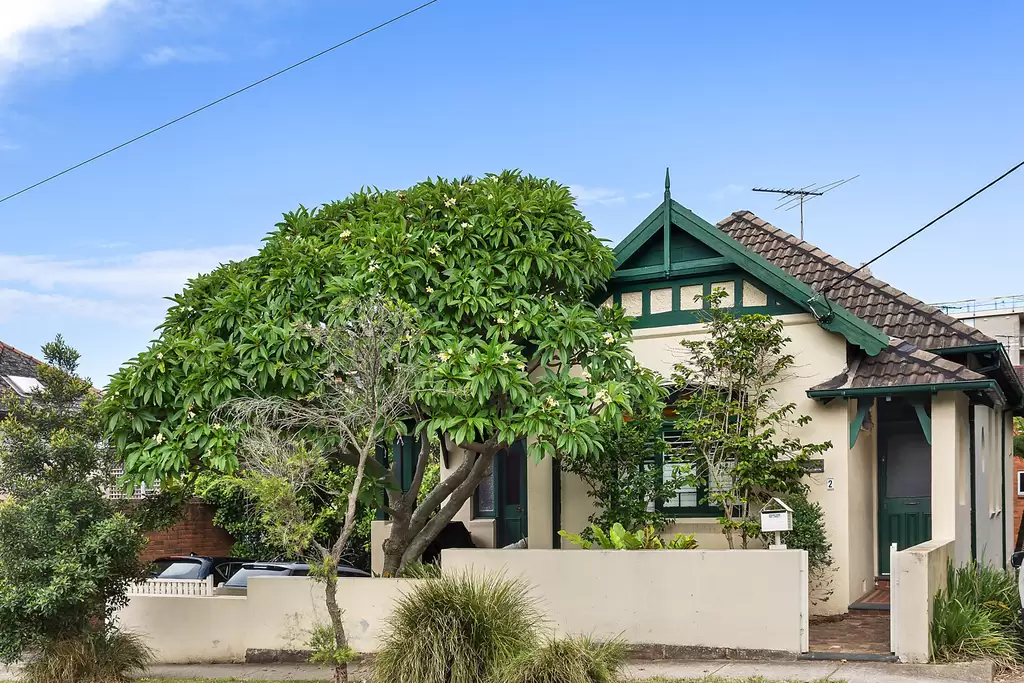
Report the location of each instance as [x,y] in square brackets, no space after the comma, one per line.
[691,499]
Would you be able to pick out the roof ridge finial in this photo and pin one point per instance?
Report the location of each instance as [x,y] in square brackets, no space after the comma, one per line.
[668,186]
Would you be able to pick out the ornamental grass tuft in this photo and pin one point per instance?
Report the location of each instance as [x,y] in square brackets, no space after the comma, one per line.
[459,628]
[976,617]
[572,660]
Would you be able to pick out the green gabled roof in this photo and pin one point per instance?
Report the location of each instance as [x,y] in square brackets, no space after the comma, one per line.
[830,315]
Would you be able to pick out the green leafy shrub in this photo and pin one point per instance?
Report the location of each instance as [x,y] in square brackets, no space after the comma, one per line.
[573,660]
[104,656]
[621,481]
[67,553]
[457,629]
[738,432]
[324,645]
[809,534]
[975,617]
[618,538]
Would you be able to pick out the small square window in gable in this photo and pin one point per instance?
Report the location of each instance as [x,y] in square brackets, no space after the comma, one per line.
[633,303]
[730,293]
[752,296]
[661,300]
[688,300]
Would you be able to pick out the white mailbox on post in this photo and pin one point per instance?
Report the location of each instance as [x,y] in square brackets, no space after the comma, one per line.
[776,517]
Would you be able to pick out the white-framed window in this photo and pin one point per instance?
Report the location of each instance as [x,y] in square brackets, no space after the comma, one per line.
[1020,483]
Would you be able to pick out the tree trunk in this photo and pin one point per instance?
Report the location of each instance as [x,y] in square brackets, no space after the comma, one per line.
[395,545]
[464,492]
[337,625]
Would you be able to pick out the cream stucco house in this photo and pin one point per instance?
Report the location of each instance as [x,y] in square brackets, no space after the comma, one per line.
[917,405]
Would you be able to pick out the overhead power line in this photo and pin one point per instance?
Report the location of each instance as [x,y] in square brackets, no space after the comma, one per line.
[219,100]
[917,232]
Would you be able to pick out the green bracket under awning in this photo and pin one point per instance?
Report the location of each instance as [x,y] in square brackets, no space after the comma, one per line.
[922,416]
[863,406]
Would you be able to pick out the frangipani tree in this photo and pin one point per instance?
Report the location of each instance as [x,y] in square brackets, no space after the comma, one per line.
[501,271]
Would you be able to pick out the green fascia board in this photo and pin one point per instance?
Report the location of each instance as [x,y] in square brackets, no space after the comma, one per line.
[858,332]
[697,267]
[975,385]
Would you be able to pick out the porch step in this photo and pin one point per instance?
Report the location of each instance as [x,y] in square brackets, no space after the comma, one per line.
[847,657]
[876,599]
[870,607]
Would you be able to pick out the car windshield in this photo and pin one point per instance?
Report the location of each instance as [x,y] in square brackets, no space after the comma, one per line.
[182,569]
[241,577]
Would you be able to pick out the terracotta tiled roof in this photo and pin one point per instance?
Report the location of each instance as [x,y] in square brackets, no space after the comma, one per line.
[900,365]
[876,302]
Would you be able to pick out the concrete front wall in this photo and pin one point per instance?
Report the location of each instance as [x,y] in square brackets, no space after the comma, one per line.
[990,458]
[951,501]
[744,599]
[282,610]
[918,573]
[185,630]
[277,614]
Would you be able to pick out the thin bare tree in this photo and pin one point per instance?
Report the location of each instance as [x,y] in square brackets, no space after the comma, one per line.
[360,402]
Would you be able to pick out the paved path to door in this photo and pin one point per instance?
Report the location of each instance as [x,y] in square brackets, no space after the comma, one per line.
[860,631]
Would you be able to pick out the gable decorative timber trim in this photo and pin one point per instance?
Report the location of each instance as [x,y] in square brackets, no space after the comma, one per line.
[830,316]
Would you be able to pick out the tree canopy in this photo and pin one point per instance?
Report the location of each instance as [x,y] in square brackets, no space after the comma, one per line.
[67,554]
[501,272]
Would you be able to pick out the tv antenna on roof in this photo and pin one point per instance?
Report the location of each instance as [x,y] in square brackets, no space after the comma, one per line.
[791,198]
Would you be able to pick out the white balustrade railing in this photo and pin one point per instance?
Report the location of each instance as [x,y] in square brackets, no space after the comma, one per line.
[192,587]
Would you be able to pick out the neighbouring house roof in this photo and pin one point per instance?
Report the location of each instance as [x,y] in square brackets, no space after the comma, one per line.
[901,365]
[18,371]
[894,312]
[15,362]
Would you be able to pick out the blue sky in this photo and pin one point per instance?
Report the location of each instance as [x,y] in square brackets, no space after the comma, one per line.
[923,100]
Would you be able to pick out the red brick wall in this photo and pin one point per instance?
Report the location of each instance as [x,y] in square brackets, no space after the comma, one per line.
[1018,501]
[195,533]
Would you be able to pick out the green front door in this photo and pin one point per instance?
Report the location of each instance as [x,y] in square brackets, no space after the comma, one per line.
[904,488]
[510,482]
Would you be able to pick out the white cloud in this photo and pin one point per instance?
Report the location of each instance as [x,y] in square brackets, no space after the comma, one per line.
[19,305]
[40,31]
[186,54]
[727,191]
[643,195]
[597,195]
[146,274]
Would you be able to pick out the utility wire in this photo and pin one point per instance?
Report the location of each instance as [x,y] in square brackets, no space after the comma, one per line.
[219,100]
[917,232]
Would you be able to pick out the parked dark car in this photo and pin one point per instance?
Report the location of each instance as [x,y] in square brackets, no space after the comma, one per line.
[239,583]
[197,567]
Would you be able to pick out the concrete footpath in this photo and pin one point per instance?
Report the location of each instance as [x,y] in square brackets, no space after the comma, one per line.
[851,672]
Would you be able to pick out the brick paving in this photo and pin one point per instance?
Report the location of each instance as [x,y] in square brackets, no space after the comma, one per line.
[860,631]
